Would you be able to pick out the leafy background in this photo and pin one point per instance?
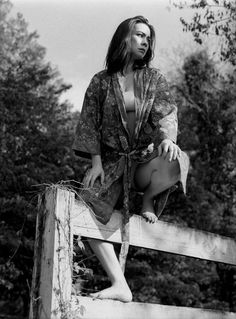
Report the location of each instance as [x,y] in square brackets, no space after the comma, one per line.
[36,133]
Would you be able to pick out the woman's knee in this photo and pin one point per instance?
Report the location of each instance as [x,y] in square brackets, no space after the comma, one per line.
[142,176]
[166,172]
[163,181]
[158,170]
[174,169]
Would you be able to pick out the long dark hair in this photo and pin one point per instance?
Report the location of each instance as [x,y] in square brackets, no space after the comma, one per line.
[118,52]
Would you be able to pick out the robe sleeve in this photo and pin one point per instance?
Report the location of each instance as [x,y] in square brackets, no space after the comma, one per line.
[166,106]
[87,135]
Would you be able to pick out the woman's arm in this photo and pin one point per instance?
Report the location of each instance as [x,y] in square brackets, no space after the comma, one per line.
[96,160]
[87,135]
[169,121]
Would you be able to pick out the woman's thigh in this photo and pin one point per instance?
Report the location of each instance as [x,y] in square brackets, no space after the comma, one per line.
[166,171]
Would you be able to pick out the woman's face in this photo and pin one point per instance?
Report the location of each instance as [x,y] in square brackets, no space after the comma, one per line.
[140,41]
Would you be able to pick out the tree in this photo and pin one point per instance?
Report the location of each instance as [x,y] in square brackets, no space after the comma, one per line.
[207,120]
[213,17]
[36,133]
[208,128]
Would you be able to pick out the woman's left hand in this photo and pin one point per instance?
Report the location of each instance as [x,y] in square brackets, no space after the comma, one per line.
[169,150]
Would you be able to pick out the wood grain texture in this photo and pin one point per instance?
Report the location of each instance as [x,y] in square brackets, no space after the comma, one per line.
[60,216]
[53,262]
[88,308]
[159,236]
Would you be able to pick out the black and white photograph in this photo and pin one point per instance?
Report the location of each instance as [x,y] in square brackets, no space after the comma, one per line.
[118,159]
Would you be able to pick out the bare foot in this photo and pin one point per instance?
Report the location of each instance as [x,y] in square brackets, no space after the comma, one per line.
[148,211]
[120,293]
[150,217]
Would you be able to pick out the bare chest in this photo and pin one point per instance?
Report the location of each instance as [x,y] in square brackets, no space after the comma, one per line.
[127,88]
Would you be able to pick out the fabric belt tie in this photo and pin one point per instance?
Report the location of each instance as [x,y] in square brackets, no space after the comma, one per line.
[125,234]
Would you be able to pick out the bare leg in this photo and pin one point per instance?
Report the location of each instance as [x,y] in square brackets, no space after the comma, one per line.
[155,177]
[119,289]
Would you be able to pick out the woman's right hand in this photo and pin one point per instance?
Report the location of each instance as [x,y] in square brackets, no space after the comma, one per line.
[95,172]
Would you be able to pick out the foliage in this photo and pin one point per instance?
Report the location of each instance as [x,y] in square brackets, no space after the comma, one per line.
[217,17]
[36,133]
[207,125]
[207,120]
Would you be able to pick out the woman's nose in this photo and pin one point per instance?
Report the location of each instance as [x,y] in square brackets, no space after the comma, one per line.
[145,42]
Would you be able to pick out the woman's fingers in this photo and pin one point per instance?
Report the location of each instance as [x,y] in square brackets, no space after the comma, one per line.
[171,153]
[176,152]
[91,177]
[87,180]
[102,177]
[160,150]
[168,150]
[165,149]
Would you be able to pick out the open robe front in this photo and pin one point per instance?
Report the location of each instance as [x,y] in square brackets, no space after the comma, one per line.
[103,129]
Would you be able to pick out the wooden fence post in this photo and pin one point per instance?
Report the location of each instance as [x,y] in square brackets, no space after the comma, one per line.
[52,274]
[51,296]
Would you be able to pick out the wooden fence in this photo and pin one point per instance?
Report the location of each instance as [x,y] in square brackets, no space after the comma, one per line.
[60,217]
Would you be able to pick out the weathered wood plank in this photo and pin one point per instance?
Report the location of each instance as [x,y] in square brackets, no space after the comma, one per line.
[53,255]
[88,308]
[159,236]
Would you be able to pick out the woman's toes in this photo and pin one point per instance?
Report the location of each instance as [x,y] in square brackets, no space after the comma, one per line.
[150,217]
[116,293]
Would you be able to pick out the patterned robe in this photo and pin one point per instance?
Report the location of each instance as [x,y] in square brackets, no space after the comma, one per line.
[103,129]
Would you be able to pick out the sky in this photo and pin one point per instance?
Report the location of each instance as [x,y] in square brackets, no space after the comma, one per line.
[76,34]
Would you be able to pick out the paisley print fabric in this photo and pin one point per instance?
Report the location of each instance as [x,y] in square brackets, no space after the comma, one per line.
[103,129]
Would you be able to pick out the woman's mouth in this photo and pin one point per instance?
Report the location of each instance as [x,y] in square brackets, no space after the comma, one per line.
[142,50]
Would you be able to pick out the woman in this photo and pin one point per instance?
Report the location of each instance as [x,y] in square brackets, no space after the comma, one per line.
[128,127]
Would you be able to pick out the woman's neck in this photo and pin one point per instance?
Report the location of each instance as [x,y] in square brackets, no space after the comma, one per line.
[128,69]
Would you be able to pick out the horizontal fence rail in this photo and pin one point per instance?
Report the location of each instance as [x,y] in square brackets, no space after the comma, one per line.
[60,217]
[159,236]
[111,309]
